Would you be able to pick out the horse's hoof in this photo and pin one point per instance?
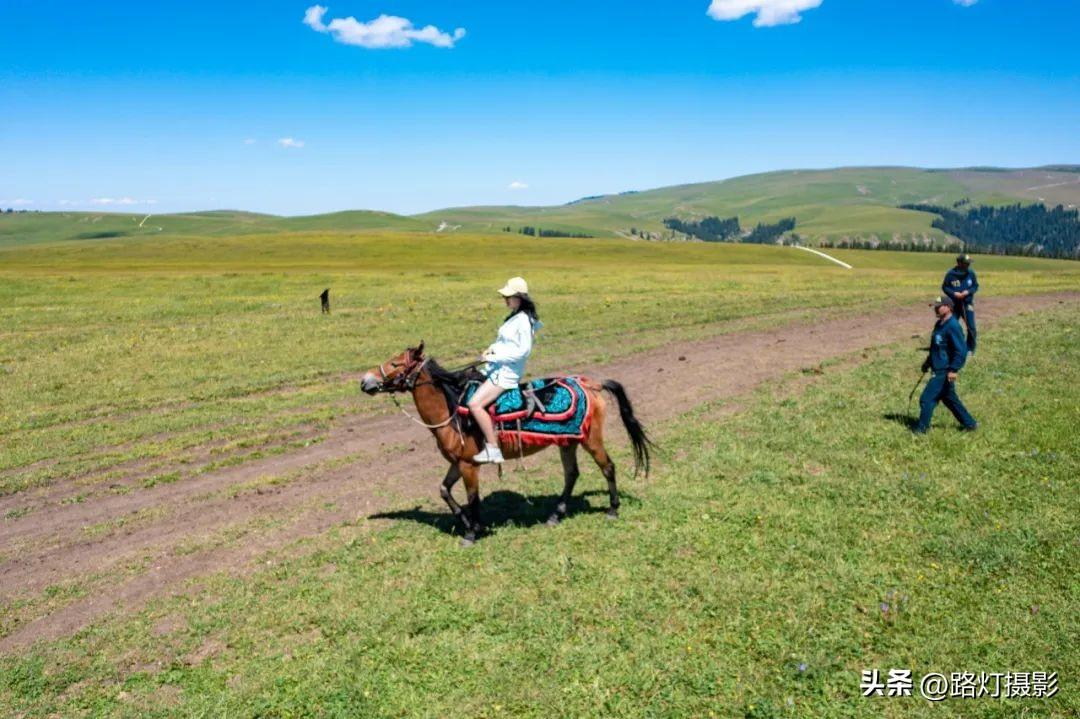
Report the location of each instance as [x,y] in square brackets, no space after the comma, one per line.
[612,514]
[467,542]
[553,521]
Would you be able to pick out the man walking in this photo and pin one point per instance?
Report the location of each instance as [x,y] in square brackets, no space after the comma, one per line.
[960,286]
[946,358]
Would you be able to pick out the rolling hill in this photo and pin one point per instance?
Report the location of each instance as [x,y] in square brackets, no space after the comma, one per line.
[856,202]
[24,228]
[845,202]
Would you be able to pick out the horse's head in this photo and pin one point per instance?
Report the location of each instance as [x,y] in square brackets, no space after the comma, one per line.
[397,374]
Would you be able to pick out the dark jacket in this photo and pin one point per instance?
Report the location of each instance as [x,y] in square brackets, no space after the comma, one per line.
[958,281]
[948,349]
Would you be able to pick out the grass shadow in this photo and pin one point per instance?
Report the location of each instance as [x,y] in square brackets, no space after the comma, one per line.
[904,420]
[504,508]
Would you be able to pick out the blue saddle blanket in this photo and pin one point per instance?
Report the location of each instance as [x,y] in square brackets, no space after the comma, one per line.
[561,410]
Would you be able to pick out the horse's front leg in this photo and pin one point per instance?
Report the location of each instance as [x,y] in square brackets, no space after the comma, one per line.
[453,474]
[471,517]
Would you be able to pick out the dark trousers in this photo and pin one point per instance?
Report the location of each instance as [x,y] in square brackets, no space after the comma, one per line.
[966,312]
[940,389]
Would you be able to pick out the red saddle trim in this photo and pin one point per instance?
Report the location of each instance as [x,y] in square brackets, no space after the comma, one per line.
[510,438]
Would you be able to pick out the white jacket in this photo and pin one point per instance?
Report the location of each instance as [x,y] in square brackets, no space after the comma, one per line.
[513,344]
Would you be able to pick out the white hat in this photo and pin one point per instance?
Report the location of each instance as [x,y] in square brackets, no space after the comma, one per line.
[514,286]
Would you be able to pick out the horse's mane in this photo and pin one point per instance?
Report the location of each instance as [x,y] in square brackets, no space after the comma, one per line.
[451,382]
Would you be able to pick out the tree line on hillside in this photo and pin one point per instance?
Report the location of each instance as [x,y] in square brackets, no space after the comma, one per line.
[911,244]
[715,229]
[538,232]
[1030,230]
[709,229]
[766,233]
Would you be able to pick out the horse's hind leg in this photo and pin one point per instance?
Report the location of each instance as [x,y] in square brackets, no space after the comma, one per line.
[607,467]
[570,475]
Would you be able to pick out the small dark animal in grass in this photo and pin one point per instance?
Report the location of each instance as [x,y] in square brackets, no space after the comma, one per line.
[325,298]
[436,392]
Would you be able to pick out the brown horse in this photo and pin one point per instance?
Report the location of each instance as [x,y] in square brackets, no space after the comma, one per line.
[437,391]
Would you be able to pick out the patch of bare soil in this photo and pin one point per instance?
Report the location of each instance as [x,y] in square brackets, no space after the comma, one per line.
[228,518]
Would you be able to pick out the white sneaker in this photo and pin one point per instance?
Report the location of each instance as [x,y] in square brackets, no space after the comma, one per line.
[491,454]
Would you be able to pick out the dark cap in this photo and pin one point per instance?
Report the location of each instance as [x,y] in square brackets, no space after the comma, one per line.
[963,259]
[942,302]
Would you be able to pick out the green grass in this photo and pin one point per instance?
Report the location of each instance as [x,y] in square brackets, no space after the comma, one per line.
[120,350]
[844,202]
[828,204]
[777,553]
[31,228]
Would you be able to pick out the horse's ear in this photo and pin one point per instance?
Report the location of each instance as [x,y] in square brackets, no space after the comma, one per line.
[419,351]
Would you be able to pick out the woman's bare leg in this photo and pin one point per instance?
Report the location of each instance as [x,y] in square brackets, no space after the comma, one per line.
[487,393]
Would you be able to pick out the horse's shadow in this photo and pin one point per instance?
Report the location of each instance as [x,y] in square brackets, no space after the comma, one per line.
[504,508]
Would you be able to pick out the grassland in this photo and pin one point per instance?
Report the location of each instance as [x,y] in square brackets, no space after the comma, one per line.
[779,551]
[1051,186]
[34,228]
[846,202]
[126,350]
[828,204]
[741,582]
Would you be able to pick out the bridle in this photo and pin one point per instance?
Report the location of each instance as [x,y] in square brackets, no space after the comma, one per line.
[407,382]
[404,382]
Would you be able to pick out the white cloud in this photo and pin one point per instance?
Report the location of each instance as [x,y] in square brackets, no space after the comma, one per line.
[768,12]
[385,31]
[517,185]
[965,3]
[290,142]
[249,141]
[17,202]
[313,17]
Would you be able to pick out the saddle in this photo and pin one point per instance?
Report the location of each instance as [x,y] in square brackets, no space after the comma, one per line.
[549,410]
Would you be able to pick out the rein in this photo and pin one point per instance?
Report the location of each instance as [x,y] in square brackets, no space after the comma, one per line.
[440,425]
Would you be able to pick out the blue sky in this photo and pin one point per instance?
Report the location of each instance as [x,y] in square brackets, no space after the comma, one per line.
[168,106]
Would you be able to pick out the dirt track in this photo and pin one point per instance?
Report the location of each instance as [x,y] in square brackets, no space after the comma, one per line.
[129,547]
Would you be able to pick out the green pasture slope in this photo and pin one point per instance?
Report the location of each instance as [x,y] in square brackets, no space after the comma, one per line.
[780,551]
[828,204]
[130,349]
[845,202]
[27,228]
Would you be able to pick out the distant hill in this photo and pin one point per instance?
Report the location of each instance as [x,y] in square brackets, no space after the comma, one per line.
[857,203]
[22,228]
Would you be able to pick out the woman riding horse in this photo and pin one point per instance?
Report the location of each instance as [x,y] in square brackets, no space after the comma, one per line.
[506,362]
[437,392]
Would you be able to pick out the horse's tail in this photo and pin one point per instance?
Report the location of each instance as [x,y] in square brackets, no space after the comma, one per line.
[638,439]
